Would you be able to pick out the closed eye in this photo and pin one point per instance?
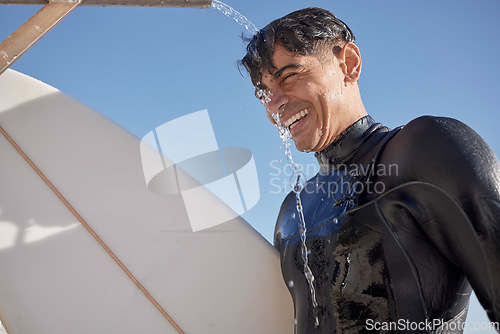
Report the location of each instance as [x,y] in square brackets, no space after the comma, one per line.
[288,76]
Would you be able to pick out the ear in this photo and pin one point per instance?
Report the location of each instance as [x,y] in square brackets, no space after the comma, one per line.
[350,62]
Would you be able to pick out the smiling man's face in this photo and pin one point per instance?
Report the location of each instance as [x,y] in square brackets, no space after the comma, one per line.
[308,91]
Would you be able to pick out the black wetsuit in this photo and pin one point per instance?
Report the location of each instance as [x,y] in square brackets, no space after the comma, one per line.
[401,223]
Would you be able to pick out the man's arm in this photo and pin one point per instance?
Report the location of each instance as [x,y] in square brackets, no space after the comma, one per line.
[453,180]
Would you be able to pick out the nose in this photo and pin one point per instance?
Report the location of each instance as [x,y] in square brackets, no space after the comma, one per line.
[279,100]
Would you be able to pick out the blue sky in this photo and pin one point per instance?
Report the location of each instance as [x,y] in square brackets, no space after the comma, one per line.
[143,67]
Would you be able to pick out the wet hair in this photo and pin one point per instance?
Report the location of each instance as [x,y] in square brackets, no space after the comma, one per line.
[306,31]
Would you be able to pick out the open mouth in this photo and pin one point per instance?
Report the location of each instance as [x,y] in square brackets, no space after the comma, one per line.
[292,121]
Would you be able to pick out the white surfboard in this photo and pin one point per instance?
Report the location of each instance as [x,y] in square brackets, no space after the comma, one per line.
[143,264]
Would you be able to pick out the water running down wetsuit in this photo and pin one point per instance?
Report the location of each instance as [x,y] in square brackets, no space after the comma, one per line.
[401,223]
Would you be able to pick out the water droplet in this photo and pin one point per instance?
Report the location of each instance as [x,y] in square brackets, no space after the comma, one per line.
[295,321]
[293,215]
[335,221]
[290,284]
[309,276]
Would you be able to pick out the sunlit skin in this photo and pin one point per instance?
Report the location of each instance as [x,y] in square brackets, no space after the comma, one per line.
[325,85]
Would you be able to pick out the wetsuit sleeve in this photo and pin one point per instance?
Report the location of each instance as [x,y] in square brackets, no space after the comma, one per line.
[453,180]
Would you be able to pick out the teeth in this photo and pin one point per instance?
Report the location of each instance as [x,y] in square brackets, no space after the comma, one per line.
[296,117]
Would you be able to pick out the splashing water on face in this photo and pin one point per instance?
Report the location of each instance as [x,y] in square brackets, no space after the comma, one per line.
[298,182]
[235,15]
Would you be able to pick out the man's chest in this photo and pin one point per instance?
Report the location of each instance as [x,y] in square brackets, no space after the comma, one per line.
[345,254]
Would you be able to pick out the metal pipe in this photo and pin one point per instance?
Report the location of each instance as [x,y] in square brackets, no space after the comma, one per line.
[132,3]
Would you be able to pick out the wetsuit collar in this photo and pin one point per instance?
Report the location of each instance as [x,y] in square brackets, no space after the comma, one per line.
[348,143]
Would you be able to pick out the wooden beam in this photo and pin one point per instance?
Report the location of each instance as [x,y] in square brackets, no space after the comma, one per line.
[32,30]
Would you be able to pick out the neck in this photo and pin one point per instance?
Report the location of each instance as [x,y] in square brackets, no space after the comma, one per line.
[356,107]
[347,144]
[343,120]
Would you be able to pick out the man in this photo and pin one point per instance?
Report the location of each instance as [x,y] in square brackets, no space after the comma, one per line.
[400,223]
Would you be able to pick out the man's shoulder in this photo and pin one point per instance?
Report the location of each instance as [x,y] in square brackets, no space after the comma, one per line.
[436,139]
[438,150]
[432,128]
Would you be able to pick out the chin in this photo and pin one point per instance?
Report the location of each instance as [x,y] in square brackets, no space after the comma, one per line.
[303,148]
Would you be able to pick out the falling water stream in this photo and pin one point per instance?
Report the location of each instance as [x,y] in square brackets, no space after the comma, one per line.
[298,182]
[298,178]
[235,15]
